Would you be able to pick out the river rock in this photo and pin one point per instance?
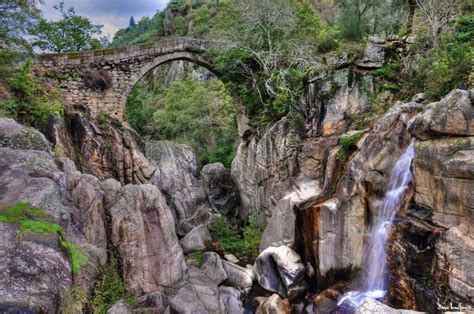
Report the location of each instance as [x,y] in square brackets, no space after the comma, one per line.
[280,270]
[198,239]
[144,233]
[202,295]
[371,306]
[272,305]
[221,190]
[119,308]
[176,177]
[220,271]
[18,136]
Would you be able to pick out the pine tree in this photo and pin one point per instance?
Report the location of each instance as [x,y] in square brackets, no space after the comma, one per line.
[132,23]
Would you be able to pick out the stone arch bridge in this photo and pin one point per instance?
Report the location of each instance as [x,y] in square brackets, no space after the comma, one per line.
[101,80]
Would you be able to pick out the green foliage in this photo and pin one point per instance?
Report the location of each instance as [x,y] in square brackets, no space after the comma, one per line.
[71,33]
[33,219]
[348,145]
[243,243]
[390,70]
[464,29]
[74,300]
[32,102]
[226,234]
[198,256]
[16,18]
[353,25]
[109,288]
[201,115]
[327,40]
[252,235]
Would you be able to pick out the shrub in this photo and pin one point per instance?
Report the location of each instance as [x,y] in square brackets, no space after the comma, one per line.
[327,40]
[227,235]
[97,80]
[109,288]
[348,145]
[243,243]
[32,100]
[252,237]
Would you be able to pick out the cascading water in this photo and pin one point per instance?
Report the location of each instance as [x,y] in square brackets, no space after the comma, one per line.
[374,271]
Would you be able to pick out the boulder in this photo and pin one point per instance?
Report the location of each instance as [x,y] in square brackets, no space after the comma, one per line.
[200,294]
[231,258]
[280,230]
[371,306]
[374,55]
[453,115]
[221,190]
[34,271]
[212,266]
[280,270]
[144,234]
[176,177]
[219,271]
[272,305]
[237,276]
[198,239]
[18,136]
[119,308]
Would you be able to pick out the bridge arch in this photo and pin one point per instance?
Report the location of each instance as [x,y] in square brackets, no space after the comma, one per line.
[101,80]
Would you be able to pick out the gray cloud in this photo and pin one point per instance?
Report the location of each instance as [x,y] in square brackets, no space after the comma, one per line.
[113,14]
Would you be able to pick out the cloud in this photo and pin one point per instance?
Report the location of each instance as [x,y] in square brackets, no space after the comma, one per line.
[113,14]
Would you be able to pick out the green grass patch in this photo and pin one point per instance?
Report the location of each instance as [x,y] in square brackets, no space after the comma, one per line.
[109,288]
[348,145]
[198,256]
[33,219]
[243,243]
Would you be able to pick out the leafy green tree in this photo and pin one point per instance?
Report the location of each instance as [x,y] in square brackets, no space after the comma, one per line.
[16,17]
[201,115]
[71,33]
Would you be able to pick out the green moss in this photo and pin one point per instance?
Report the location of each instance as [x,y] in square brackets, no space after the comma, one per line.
[33,219]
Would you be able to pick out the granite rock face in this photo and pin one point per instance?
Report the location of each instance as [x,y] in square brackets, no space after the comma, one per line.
[176,177]
[221,190]
[108,152]
[431,245]
[144,234]
[18,136]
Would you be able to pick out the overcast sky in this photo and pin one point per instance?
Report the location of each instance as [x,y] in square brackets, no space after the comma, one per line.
[113,14]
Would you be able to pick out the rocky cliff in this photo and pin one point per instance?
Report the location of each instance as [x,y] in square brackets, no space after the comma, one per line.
[90,194]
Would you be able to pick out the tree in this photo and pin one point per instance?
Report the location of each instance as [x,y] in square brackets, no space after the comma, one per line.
[71,33]
[437,14]
[132,23]
[16,17]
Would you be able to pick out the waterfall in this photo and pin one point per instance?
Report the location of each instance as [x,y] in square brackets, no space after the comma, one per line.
[374,285]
